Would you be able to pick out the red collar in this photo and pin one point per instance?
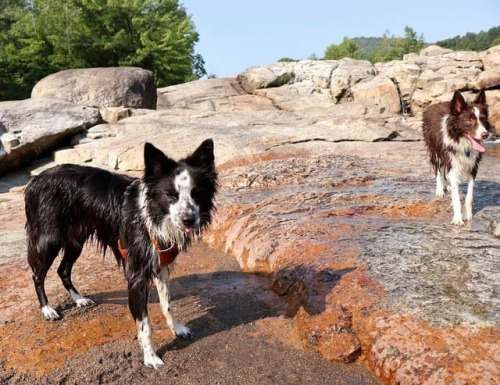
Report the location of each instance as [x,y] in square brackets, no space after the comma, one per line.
[165,256]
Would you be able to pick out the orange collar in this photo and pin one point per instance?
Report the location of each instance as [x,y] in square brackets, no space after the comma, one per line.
[165,256]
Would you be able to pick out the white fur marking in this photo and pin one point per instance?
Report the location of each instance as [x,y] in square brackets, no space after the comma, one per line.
[151,360]
[480,130]
[469,199]
[186,205]
[163,287]
[49,313]
[79,300]
[455,198]
[168,231]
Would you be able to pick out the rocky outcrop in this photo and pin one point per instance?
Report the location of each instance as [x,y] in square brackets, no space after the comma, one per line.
[325,188]
[34,127]
[406,86]
[100,87]
[490,77]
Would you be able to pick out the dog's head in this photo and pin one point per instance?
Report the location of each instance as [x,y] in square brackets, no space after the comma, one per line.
[180,194]
[471,120]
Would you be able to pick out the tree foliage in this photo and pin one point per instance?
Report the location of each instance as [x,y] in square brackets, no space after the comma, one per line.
[39,37]
[388,47]
[348,48]
[473,41]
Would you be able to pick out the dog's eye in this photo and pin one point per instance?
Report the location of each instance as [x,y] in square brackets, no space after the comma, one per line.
[173,195]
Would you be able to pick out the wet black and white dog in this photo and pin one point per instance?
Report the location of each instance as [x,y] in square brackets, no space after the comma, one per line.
[145,222]
[453,132]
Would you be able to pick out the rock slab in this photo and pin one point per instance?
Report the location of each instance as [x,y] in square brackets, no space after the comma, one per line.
[33,127]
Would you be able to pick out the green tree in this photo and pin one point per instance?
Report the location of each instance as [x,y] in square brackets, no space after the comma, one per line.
[394,48]
[286,59]
[39,37]
[348,48]
[473,41]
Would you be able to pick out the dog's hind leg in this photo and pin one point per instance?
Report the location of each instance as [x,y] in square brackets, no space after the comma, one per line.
[163,286]
[40,259]
[138,295]
[71,253]
[440,182]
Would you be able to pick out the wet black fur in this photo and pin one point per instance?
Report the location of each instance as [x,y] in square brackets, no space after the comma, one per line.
[69,204]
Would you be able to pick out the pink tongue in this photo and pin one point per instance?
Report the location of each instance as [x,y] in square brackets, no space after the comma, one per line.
[476,145]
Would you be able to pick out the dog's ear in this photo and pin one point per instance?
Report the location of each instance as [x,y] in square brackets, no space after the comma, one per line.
[458,103]
[156,162]
[203,156]
[480,98]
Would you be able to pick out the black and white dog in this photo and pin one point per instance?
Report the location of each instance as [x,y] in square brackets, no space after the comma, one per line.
[453,132]
[145,222]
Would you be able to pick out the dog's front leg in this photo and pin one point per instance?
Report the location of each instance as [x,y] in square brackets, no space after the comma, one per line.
[138,304]
[455,201]
[163,286]
[469,199]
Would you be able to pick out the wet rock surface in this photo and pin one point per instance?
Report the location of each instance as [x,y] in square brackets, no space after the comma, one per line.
[363,252]
[357,261]
[240,330]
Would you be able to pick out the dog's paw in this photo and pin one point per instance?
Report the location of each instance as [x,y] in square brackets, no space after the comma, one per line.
[457,221]
[49,313]
[151,360]
[183,332]
[83,302]
[440,193]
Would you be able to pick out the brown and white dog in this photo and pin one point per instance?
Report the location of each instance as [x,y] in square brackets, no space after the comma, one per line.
[453,132]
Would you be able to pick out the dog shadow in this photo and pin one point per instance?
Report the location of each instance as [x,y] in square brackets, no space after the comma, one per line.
[219,301]
[486,193]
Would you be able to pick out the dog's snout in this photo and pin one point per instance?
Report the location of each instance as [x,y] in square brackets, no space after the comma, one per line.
[484,135]
[188,220]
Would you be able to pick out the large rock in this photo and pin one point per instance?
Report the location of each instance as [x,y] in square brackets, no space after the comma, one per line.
[380,90]
[349,73]
[491,57]
[266,76]
[319,72]
[489,79]
[211,95]
[100,87]
[34,127]
[434,50]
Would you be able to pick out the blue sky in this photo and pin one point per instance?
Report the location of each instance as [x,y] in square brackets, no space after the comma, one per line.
[238,34]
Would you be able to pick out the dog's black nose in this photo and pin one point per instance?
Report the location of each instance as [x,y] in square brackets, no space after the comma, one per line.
[189,221]
[484,135]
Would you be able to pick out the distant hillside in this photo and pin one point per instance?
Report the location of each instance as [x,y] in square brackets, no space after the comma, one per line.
[469,42]
[369,45]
